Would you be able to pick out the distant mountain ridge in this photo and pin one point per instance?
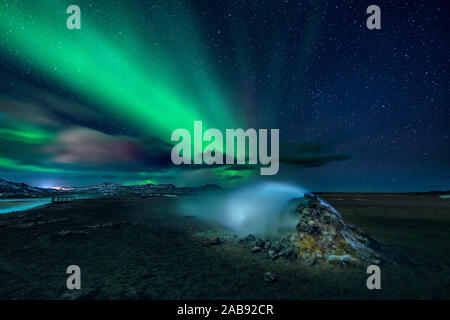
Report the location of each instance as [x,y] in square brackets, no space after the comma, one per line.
[8,187]
[14,190]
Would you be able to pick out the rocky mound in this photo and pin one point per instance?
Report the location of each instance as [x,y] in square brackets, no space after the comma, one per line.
[321,236]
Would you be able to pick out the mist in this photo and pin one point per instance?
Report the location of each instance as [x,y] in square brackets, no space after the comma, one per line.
[256,209]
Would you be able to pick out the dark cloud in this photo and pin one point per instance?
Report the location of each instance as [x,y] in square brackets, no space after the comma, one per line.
[310,154]
[313,160]
[242,167]
[304,147]
[231,178]
[155,153]
[35,105]
[82,145]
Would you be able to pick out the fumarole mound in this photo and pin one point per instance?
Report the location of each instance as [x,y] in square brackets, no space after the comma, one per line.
[321,236]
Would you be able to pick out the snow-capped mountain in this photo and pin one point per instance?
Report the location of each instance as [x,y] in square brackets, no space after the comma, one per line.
[108,188]
[8,188]
[14,190]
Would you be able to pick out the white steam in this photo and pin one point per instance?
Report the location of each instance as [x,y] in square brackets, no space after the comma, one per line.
[256,209]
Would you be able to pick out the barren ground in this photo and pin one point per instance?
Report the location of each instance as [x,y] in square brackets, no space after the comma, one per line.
[156,254]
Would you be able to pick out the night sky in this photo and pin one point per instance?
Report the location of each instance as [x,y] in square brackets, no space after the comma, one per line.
[358,109]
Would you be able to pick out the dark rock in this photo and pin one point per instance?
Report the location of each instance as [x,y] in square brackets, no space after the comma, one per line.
[277,246]
[214,241]
[308,258]
[273,254]
[316,230]
[309,196]
[58,220]
[132,293]
[26,225]
[95,226]
[251,237]
[38,234]
[286,252]
[260,243]
[107,225]
[248,238]
[81,294]
[64,233]
[303,227]
[269,277]
[114,225]
[256,249]
[344,260]
[318,258]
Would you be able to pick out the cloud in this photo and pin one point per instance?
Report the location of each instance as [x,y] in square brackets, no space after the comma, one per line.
[26,112]
[26,102]
[154,152]
[313,160]
[242,167]
[305,147]
[230,178]
[82,145]
[310,154]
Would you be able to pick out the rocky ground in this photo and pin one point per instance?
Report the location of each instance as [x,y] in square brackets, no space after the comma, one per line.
[142,249]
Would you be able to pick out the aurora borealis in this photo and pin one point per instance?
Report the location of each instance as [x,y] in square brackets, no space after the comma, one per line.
[357,110]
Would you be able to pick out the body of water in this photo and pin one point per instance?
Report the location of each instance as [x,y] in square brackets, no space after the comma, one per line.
[11,205]
[21,204]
